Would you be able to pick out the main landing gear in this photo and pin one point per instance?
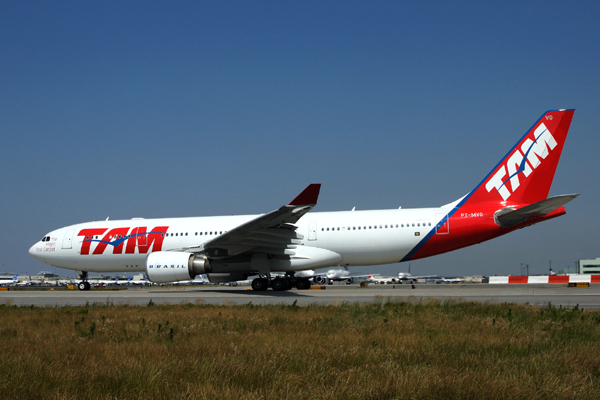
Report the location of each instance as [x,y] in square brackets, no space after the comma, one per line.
[84,284]
[280,283]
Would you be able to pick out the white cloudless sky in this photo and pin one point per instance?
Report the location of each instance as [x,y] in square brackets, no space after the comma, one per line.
[164,109]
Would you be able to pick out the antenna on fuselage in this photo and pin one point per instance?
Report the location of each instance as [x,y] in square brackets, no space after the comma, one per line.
[106,219]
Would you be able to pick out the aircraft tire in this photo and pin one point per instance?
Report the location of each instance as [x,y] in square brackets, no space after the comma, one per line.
[303,284]
[260,284]
[279,284]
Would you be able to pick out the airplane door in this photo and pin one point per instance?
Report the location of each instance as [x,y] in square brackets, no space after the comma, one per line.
[68,239]
[312,231]
[445,228]
[142,238]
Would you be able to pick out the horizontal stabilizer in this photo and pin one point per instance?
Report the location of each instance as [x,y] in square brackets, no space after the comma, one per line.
[508,217]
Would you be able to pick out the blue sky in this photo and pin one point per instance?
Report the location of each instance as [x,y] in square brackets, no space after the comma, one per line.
[160,109]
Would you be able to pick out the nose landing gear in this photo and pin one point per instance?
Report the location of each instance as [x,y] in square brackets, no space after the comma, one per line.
[84,284]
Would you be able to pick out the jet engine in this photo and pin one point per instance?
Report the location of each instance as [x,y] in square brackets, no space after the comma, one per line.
[174,266]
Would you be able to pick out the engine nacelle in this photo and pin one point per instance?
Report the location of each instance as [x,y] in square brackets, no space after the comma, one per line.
[174,266]
[227,277]
[321,280]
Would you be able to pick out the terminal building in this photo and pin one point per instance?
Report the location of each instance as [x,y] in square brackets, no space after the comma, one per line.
[589,267]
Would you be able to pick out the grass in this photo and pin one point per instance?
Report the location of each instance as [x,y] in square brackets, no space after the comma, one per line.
[388,349]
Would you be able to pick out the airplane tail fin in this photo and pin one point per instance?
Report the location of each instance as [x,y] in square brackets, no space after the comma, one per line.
[525,174]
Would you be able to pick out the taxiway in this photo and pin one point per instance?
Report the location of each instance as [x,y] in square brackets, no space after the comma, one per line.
[541,295]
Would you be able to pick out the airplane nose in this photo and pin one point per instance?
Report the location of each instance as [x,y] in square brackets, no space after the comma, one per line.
[33,251]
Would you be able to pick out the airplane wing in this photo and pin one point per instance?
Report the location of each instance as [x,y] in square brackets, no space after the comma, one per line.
[509,217]
[272,233]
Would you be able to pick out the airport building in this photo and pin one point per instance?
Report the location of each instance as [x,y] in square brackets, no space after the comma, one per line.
[589,266]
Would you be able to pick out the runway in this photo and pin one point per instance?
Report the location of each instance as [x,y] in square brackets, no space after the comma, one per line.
[541,295]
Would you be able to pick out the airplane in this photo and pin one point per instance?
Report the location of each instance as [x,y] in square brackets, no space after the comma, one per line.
[513,195]
[7,282]
[403,277]
[406,276]
[379,279]
[31,282]
[337,275]
[124,282]
[450,280]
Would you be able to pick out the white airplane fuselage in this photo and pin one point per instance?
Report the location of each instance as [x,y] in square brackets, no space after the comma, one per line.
[360,237]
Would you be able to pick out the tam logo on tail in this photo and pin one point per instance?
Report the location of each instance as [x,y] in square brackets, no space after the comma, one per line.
[524,160]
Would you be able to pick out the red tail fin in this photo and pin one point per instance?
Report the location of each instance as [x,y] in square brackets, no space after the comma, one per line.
[525,174]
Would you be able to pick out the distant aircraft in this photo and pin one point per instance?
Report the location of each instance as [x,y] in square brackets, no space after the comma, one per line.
[338,275]
[376,278]
[406,276]
[7,282]
[290,239]
[124,281]
[451,280]
[31,282]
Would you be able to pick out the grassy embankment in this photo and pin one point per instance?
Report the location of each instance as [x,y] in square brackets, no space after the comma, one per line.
[388,349]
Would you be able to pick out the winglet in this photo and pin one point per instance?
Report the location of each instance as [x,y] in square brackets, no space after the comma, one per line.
[308,196]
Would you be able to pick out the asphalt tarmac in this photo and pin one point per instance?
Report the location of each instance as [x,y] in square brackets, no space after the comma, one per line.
[541,295]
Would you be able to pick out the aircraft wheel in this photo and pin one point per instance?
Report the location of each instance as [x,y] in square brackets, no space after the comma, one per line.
[260,284]
[279,284]
[82,286]
[303,284]
[87,285]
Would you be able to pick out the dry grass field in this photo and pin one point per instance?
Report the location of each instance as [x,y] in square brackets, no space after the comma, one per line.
[383,350]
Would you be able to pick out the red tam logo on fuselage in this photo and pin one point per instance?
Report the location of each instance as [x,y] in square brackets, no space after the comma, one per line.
[130,238]
[524,160]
